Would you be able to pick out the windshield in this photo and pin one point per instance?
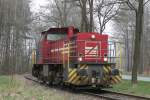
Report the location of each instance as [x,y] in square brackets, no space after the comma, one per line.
[55,36]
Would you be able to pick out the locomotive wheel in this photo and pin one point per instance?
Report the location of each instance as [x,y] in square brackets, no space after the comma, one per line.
[34,72]
[50,78]
[41,78]
[50,82]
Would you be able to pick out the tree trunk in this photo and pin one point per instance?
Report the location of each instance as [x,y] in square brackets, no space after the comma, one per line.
[91,15]
[127,51]
[84,21]
[138,34]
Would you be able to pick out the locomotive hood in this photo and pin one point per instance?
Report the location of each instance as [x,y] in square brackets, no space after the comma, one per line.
[92,36]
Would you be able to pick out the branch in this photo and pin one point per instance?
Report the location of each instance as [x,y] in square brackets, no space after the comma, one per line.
[80,3]
[130,5]
[146,2]
[89,2]
[116,2]
[108,14]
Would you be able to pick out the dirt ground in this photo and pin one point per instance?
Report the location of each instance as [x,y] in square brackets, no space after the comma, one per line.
[29,90]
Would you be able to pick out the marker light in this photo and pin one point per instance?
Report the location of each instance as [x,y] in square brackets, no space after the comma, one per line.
[93,80]
[105,59]
[93,36]
[80,59]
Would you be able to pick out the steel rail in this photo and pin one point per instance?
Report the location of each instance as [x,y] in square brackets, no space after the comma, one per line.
[129,95]
[101,96]
[31,79]
[111,95]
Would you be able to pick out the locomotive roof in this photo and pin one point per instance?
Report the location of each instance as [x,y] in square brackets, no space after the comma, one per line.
[59,30]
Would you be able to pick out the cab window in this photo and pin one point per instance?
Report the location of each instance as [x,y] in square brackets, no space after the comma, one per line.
[55,36]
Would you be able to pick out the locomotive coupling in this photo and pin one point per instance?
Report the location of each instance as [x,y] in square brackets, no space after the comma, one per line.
[114,72]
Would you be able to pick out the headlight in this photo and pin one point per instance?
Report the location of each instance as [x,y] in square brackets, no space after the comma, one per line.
[93,80]
[105,59]
[80,59]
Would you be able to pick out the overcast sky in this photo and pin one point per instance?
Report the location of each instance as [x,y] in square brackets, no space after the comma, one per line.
[35,4]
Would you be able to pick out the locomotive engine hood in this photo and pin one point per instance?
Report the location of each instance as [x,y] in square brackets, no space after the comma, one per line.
[91,47]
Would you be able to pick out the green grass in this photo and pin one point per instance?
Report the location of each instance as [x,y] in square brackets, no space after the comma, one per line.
[8,84]
[142,88]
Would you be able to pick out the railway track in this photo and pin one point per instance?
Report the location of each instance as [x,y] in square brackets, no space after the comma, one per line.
[102,94]
[110,95]
[31,78]
[128,95]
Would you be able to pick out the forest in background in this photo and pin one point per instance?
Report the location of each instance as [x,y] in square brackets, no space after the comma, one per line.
[19,27]
[15,17]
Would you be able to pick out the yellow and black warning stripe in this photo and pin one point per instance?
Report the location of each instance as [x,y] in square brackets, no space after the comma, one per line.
[73,78]
[106,69]
[83,66]
[116,79]
[72,75]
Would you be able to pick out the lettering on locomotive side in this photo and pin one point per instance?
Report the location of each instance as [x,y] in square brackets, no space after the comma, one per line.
[57,49]
[62,49]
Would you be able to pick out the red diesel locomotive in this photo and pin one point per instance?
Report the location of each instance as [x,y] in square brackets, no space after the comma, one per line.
[67,56]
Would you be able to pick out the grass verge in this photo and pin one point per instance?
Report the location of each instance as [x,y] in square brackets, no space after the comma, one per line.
[17,88]
[142,88]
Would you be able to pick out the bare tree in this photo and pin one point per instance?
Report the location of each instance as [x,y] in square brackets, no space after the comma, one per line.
[60,13]
[106,10]
[139,11]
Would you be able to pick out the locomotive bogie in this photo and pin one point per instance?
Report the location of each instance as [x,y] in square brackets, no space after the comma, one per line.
[82,75]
